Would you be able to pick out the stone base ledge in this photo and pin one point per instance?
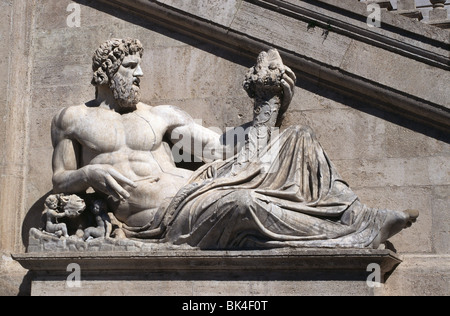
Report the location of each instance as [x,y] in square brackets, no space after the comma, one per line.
[278,272]
[176,260]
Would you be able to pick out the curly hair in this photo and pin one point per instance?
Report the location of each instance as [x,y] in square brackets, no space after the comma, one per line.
[109,56]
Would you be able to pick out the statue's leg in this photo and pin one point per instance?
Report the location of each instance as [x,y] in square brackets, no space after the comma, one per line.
[58,229]
[87,233]
[218,219]
[394,221]
[98,232]
[64,230]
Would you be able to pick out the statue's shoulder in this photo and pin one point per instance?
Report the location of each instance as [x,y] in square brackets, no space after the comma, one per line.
[169,115]
[69,116]
[164,108]
[170,112]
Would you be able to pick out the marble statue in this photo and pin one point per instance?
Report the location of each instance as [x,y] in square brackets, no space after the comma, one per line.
[114,144]
[278,190]
[104,227]
[60,206]
[52,215]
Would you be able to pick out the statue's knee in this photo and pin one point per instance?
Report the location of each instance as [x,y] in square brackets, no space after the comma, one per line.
[87,233]
[303,130]
[242,199]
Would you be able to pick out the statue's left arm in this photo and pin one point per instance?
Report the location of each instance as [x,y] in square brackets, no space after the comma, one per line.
[185,133]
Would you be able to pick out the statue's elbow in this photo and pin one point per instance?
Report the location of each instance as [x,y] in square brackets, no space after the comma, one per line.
[58,184]
[57,188]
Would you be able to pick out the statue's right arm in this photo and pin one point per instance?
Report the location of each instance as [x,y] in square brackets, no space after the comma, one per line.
[69,176]
[57,215]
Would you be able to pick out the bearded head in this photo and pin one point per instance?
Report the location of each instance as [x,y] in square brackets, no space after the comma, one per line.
[126,90]
[116,64]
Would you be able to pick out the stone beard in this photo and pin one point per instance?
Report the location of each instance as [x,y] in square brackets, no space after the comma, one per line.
[126,92]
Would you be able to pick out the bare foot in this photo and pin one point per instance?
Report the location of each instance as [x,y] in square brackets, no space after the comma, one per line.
[394,223]
[413,215]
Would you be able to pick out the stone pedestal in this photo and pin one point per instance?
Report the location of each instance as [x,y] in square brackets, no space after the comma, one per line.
[280,272]
[408,8]
[439,15]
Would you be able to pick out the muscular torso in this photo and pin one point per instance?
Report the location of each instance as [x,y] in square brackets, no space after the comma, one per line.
[132,144]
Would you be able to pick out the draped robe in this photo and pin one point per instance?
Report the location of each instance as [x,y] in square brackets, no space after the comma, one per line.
[289,195]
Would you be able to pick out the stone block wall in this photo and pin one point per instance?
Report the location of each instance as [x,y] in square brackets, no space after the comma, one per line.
[390,162]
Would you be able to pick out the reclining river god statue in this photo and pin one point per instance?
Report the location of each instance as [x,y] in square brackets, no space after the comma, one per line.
[279,189]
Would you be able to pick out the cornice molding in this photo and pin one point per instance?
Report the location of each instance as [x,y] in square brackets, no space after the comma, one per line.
[386,37]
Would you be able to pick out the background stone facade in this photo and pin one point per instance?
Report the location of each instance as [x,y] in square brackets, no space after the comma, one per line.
[389,161]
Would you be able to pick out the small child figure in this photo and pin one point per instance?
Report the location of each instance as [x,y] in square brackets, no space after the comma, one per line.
[104,227]
[53,213]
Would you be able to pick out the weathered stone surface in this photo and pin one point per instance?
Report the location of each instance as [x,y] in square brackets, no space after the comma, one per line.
[196,73]
[171,286]
[438,15]
[328,49]
[42,242]
[395,72]
[420,275]
[15,85]
[12,277]
[441,219]
[217,11]
[424,171]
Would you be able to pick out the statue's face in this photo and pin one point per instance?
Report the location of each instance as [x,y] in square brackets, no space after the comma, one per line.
[126,83]
[52,203]
[97,208]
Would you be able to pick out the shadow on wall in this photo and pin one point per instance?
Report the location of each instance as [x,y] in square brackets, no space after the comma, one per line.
[33,218]
[154,26]
[307,84]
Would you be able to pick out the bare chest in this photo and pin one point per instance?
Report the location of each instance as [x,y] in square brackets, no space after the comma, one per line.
[110,132]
